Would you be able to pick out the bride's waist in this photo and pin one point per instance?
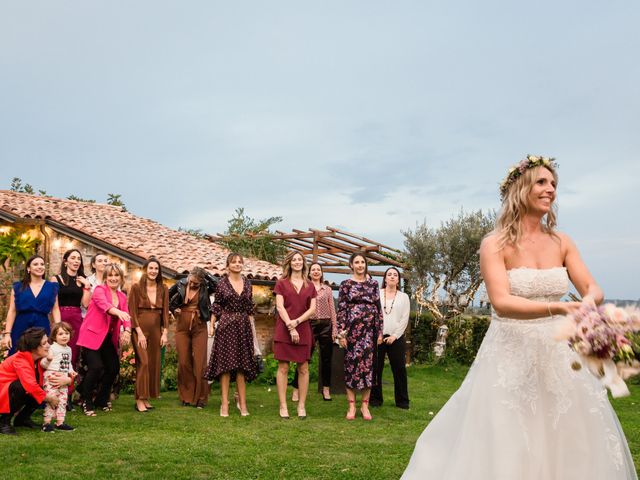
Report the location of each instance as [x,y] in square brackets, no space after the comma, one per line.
[529,321]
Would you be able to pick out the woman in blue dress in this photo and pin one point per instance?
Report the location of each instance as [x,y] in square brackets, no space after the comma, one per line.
[32,300]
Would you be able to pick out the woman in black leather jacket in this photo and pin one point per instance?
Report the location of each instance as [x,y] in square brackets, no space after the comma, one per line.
[189,302]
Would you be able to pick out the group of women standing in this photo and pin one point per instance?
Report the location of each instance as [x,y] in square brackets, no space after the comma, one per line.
[357,327]
[97,312]
[101,315]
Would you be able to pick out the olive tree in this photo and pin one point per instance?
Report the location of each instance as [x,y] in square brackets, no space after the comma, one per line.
[443,264]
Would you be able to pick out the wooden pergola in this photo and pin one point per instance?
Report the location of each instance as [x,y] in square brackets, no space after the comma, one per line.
[332,248]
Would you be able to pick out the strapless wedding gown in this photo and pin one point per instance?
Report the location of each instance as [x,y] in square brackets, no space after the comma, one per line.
[522,412]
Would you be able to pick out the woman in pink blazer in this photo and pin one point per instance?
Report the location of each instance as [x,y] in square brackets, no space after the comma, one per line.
[99,338]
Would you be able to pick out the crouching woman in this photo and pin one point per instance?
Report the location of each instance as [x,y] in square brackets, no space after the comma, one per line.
[21,379]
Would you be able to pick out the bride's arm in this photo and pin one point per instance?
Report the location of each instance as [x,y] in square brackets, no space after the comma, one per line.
[503,302]
[578,271]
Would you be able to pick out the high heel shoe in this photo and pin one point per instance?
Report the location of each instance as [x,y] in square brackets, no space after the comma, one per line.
[286,414]
[351,416]
[302,413]
[224,414]
[138,410]
[367,416]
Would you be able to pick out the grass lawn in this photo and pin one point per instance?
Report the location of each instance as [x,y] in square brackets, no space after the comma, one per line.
[182,442]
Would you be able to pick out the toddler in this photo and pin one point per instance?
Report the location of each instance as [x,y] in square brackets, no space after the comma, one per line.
[58,361]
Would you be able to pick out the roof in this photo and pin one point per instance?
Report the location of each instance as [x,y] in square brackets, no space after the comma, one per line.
[117,230]
[332,248]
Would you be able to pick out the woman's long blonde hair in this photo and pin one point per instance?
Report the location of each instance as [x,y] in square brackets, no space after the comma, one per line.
[515,207]
[286,266]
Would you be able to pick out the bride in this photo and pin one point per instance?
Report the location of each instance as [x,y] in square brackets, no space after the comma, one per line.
[522,412]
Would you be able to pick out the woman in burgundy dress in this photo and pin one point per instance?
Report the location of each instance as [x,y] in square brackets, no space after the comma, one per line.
[293,339]
[359,328]
[74,292]
[232,353]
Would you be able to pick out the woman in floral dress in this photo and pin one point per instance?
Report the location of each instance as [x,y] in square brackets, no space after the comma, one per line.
[359,328]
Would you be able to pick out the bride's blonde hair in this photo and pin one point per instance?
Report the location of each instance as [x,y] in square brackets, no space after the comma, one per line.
[515,207]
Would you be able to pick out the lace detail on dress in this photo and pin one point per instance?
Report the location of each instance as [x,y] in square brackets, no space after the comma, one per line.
[533,368]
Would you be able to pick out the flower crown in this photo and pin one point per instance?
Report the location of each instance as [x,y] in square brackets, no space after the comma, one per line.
[531,161]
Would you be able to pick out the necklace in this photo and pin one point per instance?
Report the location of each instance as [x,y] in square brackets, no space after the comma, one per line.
[392,302]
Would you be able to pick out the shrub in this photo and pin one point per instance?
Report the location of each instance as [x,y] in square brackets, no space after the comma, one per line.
[465,336]
[268,376]
[169,380]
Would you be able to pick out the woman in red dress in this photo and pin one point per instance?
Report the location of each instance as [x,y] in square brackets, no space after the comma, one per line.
[293,339]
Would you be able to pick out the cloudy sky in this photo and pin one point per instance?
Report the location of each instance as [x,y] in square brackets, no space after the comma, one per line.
[370,116]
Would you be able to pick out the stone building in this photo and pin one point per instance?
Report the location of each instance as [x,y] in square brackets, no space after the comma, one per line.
[58,225]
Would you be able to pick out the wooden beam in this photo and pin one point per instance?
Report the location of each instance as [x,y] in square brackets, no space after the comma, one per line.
[364,239]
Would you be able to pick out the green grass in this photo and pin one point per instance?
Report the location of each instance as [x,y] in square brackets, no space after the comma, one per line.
[182,442]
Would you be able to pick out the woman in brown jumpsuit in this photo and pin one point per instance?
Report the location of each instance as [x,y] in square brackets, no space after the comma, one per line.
[149,310]
[190,304]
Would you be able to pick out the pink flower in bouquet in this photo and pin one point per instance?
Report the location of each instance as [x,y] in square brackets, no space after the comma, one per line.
[601,337]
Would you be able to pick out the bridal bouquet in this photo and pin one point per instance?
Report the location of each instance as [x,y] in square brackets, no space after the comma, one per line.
[607,339]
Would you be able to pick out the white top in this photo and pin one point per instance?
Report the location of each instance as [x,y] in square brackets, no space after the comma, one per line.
[396,317]
[93,281]
[61,359]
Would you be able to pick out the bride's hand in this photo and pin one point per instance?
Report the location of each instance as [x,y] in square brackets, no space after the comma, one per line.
[565,308]
[588,300]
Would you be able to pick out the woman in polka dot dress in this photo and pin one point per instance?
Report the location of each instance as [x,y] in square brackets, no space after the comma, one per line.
[232,355]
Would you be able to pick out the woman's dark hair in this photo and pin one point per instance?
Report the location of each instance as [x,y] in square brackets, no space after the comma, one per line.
[26,280]
[57,327]
[355,255]
[92,263]
[232,256]
[321,271]
[143,277]
[63,267]
[30,339]
[384,278]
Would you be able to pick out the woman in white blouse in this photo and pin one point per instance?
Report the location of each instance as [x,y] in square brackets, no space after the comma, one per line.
[396,308]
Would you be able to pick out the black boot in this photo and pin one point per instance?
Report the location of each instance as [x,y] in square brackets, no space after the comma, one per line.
[5,425]
[23,419]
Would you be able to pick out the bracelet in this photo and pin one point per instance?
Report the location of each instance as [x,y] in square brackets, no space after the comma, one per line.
[6,333]
[549,309]
[86,289]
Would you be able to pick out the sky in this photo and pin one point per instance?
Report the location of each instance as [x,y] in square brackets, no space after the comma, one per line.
[368,116]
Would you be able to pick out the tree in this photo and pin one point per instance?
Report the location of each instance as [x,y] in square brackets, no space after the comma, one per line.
[252,238]
[196,232]
[80,199]
[16,186]
[444,263]
[16,246]
[115,199]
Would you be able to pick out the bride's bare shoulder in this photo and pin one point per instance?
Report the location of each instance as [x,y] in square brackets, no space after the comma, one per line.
[565,240]
[490,243]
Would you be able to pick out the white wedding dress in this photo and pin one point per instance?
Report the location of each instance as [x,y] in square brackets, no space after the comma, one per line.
[522,412]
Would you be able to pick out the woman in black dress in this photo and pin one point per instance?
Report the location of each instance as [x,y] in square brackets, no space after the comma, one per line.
[74,293]
[233,351]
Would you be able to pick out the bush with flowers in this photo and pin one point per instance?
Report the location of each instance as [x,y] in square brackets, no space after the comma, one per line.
[127,376]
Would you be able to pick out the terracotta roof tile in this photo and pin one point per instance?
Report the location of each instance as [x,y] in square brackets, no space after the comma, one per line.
[140,236]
